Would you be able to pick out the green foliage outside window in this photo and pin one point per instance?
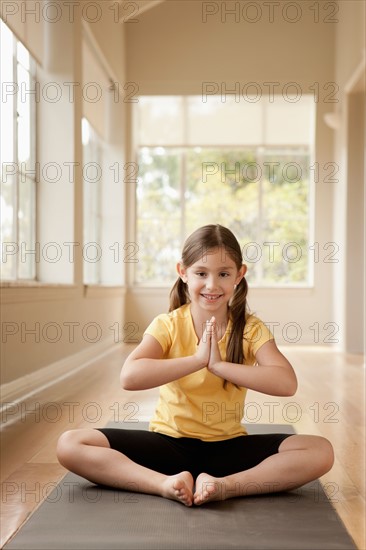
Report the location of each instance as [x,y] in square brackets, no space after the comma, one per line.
[261,194]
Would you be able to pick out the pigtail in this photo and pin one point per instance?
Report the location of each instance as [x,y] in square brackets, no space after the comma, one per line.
[238,307]
[238,312]
[178,295]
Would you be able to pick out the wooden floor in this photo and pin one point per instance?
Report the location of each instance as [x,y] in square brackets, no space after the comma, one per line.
[330,401]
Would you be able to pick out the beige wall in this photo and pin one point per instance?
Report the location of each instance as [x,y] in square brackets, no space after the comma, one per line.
[349,151]
[350,39]
[173,51]
[52,324]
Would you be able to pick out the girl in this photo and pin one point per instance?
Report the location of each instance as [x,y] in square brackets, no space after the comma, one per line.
[204,354]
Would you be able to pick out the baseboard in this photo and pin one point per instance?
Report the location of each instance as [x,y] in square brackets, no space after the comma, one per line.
[22,388]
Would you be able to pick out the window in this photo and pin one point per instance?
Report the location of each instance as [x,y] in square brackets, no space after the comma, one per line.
[18,158]
[244,165]
[92,211]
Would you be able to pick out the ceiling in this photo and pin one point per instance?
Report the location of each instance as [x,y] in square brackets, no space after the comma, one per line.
[132,9]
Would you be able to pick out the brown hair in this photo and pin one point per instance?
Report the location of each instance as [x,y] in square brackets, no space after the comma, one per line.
[197,245]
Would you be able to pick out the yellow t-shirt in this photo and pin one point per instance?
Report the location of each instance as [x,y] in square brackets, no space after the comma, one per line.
[197,405]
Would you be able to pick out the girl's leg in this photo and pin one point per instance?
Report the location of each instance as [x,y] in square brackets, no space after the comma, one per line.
[300,459]
[87,453]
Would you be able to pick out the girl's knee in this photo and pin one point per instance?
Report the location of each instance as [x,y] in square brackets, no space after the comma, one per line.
[326,453]
[322,454]
[70,443]
[66,445]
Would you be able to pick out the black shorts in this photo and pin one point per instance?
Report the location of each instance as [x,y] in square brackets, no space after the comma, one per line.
[171,455]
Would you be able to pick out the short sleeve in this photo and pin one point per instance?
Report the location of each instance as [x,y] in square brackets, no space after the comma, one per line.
[256,333]
[160,328]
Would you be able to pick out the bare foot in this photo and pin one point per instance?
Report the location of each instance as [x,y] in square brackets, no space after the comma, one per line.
[208,488]
[179,487]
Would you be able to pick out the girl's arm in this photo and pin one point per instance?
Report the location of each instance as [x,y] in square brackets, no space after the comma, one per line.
[145,368]
[272,375]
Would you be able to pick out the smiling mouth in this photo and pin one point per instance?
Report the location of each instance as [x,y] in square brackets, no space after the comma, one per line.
[212,297]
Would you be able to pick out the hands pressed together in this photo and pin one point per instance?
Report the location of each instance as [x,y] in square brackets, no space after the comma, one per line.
[208,349]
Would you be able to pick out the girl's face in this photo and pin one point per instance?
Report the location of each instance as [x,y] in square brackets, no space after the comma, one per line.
[211,280]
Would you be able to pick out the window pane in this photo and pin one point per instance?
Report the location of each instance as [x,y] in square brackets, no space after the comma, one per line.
[158,214]
[261,196]
[224,123]
[159,250]
[160,120]
[24,118]
[85,134]
[290,123]
[217,191]
[92,207]
[26,224]
[92,231]
[285,253]
[225,119]
[8,236]
[222,187]
[23,56]
[285,218]
[7,103]
[18,193]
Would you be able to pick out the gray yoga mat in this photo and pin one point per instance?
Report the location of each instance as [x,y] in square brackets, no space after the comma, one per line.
[78,514]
